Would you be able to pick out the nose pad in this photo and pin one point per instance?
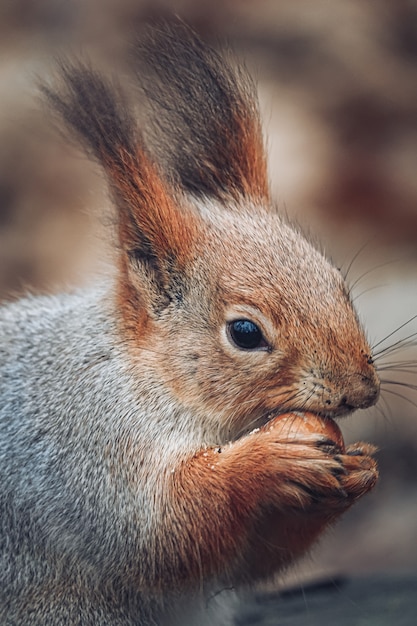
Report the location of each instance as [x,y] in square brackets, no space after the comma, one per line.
[363,393]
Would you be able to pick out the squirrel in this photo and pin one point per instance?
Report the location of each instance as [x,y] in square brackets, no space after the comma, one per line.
[142,468]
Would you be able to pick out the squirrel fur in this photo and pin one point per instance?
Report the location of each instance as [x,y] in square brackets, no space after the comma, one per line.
[140,469]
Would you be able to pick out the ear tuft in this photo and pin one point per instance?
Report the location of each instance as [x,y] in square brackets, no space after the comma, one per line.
[152,227]
[206,126]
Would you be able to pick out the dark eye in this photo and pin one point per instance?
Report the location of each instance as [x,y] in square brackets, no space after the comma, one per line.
[246,335]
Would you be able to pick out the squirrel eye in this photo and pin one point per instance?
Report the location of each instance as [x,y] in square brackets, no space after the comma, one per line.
[246,335]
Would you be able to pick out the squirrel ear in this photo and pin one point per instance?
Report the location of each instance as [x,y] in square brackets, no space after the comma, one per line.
[204,113]
[154,231]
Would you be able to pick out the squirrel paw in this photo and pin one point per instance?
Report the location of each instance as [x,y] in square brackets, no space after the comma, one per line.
[361,472]
[297,486]
[309,472]
[333,480]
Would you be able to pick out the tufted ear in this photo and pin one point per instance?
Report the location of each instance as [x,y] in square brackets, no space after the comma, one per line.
[156,234]
[206,125]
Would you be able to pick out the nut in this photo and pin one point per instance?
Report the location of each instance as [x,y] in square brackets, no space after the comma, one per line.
[293,424]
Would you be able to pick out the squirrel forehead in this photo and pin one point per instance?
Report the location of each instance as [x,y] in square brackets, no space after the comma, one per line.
[265,259]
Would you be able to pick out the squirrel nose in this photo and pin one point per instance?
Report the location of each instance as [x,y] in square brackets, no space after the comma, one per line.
[363,392]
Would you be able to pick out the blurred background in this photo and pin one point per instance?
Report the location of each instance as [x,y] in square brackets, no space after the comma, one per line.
[338,90]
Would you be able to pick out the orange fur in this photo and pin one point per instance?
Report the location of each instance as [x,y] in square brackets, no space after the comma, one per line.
[148,207]
[249,152]
[262,501]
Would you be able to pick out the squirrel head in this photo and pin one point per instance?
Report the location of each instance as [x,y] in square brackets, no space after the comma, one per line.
[258,322]
[236,314]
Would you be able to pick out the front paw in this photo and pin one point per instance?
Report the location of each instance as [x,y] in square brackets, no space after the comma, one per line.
[315,480]
[314,471]
[361,472]
[357,475]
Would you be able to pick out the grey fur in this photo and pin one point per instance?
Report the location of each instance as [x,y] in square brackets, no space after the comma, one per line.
[73,550]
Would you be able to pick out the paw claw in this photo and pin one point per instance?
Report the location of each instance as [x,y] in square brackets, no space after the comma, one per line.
[329,446]
[361,449]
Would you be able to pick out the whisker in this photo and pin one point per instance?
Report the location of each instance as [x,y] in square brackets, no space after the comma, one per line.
[279,408]
[355,257]
[382,412]
[396,331]
[399,370]
[386,403]
[362,293]
[399,383]
[370,271]
[392,364]
[401,344]
[399,395]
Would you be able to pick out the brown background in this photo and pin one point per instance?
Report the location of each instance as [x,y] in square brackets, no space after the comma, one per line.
[338,89]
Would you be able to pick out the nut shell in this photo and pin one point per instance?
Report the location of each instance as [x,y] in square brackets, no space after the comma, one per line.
[293,424]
